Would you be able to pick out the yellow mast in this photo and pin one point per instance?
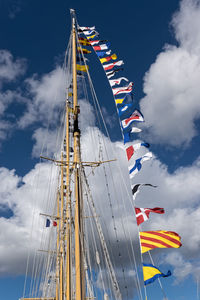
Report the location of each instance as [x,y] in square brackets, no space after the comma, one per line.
[68,291]
[80,293]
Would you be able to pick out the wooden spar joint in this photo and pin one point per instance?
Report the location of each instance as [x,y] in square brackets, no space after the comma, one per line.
[77,110]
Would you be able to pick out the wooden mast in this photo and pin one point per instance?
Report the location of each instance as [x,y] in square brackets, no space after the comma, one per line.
[80,293]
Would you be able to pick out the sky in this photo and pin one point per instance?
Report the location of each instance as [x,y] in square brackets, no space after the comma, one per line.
[159,42]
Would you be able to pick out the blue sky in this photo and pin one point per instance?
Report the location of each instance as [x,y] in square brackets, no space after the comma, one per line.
[161,55]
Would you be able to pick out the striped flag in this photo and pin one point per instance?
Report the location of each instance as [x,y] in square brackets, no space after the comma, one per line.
[159,239]
[136,167]
[101,47]
[135,117]
[108,58]
[136,188]
[117,81]
[142,214]
[151,273]
[112,73]
[123,89]
[83,41]
[112,65]
[131,149]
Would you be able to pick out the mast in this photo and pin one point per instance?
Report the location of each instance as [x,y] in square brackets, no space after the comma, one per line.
[80,286]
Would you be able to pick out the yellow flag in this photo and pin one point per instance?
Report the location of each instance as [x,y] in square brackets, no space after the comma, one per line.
[119,101]
[82,68]
[91,36]
[105,59]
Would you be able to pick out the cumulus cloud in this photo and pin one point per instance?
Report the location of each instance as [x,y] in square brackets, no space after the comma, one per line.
[26,197]
[171,85]
[46,95]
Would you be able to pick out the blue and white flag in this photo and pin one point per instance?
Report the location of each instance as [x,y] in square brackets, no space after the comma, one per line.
[136,167]
[124,109]
[102,53]
[128,134]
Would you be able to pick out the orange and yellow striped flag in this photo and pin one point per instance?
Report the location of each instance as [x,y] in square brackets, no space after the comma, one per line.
[159,239]
[84,42]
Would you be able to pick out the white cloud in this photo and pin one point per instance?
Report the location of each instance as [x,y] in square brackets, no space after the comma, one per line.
[171,105]
[10,69]
[46,94]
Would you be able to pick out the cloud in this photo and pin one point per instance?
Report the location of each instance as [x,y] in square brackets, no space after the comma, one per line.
[47,96]
[10,69]
[171,85]
[21,233]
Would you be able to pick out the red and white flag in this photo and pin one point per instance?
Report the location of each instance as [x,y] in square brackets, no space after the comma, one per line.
[117,81]
[142,214]
[136,116]
[130,150]
[112,65]
[123,89]
[101,47]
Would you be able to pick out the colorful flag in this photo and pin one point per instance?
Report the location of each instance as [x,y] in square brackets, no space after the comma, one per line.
[136,167]
[123,89]
[131,149]
[112,65]
[102,47]
[136,188]
[124,109]
[85,51]
[97,42]
[135,117]
[117,81]
[102,53]
[151,273]
[142,214]
[50,223]
[112,73]
[108,58]
[86,28]
[159,239]
[82,68]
